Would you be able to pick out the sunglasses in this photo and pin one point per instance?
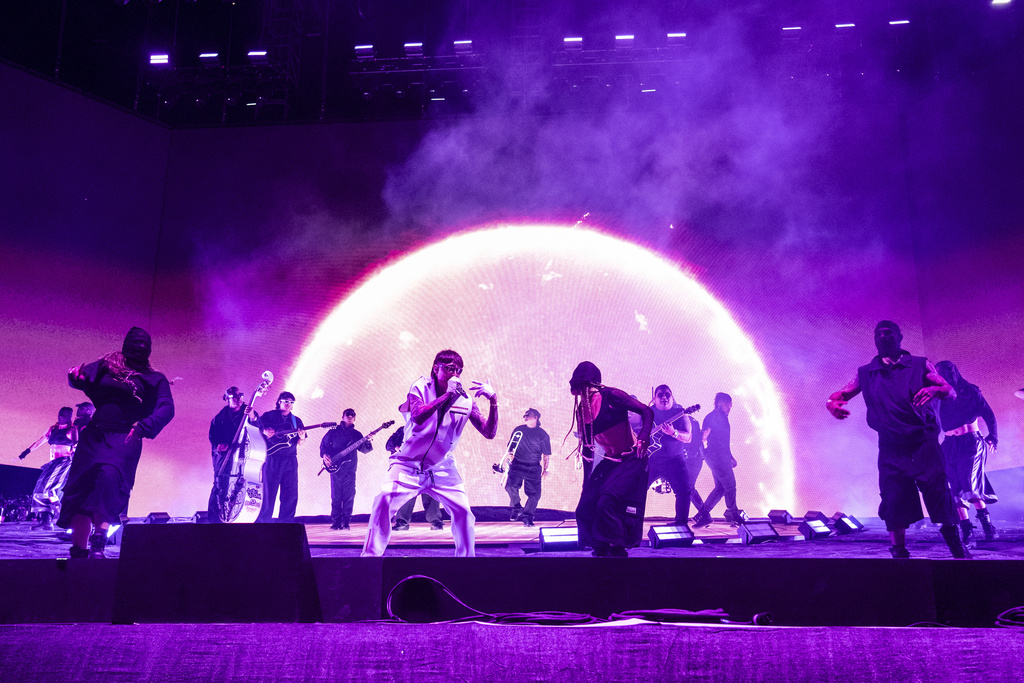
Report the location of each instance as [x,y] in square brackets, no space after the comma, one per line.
[287,401]
[662,394]
[452,368]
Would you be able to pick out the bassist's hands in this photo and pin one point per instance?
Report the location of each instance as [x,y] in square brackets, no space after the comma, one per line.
[269,432]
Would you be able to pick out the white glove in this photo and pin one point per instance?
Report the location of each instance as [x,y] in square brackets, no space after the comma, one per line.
[483,389]
[455,386]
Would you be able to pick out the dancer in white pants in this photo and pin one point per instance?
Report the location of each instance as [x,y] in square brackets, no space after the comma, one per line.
[435,411]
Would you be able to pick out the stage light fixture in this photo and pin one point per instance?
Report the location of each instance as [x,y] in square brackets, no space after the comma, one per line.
[413,50]
[257,56]
[1000,2]
[792,28]
[816,514]
[573,44]
[846,524]
[751,533]
[559,538]
[671,537]
[845,25]
[160,60]
[364,51]
[157,518]
[814,528]
[676,39]
[780,517]
[209,58]
[625,42]
[463,47]
[899,22]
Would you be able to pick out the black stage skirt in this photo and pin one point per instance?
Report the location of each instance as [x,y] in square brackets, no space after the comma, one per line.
[612,505]
[101,476]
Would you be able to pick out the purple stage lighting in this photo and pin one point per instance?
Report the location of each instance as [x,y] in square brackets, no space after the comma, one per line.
[792,28]
[676,39]
[159,60]
[209,59]
[364,51]
[463,47]
[845,25]
[897,22]
[624,42]
[413,49]
[575,43]
[258,56]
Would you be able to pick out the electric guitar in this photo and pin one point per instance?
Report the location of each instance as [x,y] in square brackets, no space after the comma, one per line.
[657,434]
[336,459]
[288,437]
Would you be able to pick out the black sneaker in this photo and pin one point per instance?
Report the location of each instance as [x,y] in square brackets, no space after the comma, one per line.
[400,526]
[436,526]
[344,527]
[899,552]
[335,527]
[702,519]
[78,553]
[517,513]
[527,521]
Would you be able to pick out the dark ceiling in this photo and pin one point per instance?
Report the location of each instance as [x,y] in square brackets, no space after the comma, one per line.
[102,47]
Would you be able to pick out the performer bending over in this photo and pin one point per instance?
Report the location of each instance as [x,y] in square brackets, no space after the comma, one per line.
[62,438]
[528,466]
[281,469]
[431,508]
[669,462]
[610,514]
[343,480]
[717,434]
[435,411]
[132,401]
[223,428]
[899,390]
[965,450]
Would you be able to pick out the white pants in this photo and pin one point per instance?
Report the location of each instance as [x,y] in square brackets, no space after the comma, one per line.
[441,481]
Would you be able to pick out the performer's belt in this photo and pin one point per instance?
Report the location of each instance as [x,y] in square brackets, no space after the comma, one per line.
[968,428]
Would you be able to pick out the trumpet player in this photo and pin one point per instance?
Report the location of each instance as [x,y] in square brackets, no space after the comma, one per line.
[529,454]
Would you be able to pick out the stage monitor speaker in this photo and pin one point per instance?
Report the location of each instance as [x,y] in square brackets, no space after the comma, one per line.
[215,573]
[671,537]
[814,528]
[200,517]
[157,518]
[780,517]
[846,524]
[757,532]
[558,538]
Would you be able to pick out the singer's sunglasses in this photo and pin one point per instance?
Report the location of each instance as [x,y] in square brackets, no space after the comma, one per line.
[452,368]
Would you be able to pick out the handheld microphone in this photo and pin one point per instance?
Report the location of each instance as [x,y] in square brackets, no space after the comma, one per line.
[458,388]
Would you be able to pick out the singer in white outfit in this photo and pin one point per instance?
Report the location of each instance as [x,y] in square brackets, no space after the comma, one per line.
[435,411]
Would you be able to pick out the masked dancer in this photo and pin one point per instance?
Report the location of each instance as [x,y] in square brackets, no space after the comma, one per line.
[966,451]
[899,391]
[133,401]
[610,514]
[436,412]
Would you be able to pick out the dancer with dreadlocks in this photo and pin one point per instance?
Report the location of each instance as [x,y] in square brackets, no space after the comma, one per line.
[610,514]
[965,451]
[132,401]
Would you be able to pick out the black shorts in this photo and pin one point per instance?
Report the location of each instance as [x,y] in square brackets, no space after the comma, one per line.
[904,469]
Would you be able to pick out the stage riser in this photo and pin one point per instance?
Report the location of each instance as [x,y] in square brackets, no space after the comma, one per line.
[797,592]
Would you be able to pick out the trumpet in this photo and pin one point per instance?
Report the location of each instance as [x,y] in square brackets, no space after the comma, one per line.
[506,459]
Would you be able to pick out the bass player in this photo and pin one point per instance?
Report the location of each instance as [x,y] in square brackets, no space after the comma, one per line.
[223,428]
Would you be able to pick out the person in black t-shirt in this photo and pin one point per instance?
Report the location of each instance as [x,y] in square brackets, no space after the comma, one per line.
[343,480]
[668,460]
[528,466]
[718,455]
[900,391]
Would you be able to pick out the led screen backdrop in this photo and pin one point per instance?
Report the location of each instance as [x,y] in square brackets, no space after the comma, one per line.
[750,254]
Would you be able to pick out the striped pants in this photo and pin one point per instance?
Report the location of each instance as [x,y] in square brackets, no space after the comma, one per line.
[50,486]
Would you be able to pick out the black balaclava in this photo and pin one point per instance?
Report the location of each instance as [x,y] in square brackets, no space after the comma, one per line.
[136,349]
[888,345]
[586,373]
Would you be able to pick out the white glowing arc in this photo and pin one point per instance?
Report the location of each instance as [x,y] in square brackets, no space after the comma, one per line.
[386,287]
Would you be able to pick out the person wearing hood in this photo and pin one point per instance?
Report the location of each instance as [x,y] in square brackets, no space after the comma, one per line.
[46,495]
[133,401]
[966,451]
[900,391]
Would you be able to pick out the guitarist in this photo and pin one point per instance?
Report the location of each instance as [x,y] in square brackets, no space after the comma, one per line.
[343,481]
[223,428]
[668,462]
[281,470]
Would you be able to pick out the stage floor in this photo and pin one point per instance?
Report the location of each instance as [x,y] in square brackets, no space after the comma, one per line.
[512,539]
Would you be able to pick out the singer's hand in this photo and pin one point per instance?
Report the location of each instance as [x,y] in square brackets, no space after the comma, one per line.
[455,386]
[482,389]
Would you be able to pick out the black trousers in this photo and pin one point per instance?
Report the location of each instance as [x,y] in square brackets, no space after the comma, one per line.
[280,472]
[673,470]
[612,504]
[693,466]
[725,484]
[220,486]
[343,492]
[431,509]
[529,477]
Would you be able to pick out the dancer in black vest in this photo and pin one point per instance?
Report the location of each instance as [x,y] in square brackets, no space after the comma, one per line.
[899,390]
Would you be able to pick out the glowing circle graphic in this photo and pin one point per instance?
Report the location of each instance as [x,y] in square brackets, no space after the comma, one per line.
[523,305]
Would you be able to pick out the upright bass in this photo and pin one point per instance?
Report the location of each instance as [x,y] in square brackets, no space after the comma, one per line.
[242,498]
